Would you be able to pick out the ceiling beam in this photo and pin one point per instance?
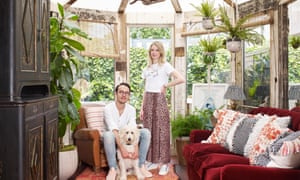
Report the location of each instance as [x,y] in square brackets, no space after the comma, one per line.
[282,2]
[122,6]
[230,3]
[176,6]
[69,3]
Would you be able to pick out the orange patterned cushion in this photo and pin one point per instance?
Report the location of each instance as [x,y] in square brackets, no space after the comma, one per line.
[225,119]
[272,130]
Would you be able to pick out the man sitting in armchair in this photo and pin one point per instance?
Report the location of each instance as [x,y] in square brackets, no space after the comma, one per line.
[118,114]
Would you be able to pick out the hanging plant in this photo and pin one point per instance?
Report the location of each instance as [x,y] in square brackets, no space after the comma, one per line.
[295,41]
[236,31]
[208,12]
[210,46]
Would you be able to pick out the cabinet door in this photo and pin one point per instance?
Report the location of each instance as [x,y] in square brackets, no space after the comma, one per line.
[51,140]
[34,142]
[43,36]
[34,148]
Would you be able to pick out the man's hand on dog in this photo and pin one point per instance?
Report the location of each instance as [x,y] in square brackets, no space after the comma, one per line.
[129,155]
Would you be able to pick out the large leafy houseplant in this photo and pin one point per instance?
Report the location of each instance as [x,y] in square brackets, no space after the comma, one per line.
[64,63]
[235,28]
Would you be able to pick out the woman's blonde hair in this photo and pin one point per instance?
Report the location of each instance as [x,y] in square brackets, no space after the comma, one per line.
[161,49]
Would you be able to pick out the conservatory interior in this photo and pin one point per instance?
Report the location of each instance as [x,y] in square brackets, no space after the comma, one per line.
[63,57]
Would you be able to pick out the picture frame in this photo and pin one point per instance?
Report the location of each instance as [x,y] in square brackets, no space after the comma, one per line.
[208,95]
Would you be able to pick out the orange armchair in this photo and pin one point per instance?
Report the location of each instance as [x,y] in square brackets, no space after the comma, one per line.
[88,141]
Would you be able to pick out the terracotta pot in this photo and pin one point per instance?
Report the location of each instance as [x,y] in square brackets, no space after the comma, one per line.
[180,143]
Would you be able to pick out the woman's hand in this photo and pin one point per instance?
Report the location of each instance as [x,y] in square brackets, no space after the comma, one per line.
[163,89]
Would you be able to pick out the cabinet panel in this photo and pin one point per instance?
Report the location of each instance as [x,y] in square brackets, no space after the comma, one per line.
[29,142]
[24,43]
[34,147]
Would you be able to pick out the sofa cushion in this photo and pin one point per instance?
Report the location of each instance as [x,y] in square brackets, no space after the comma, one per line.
[191,152]
[225,119]
[285,152]
[294,114]
[273,129]
[94,115]
[214,160]
[239,133]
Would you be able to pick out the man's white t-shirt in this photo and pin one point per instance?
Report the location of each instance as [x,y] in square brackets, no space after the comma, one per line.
[115,121]
[156,76]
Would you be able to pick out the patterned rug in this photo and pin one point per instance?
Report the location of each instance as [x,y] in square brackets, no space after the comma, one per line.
[88,174]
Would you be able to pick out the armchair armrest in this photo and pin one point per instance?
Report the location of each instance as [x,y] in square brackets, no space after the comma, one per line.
[197,135]
[88,146]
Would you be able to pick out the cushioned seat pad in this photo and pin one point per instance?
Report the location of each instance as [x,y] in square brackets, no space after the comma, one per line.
[191,152]
[215,160]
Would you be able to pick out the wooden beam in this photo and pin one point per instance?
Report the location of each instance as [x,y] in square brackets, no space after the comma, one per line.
[267,20]
[283,2]
[69,3]
[122,6]
[176,6]
[230,3]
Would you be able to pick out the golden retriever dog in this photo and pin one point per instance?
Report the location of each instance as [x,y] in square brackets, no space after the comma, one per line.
[129,137]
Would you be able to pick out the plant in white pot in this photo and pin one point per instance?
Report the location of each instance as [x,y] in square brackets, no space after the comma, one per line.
[210,46]
[236,31]
[64,63]
[208,12]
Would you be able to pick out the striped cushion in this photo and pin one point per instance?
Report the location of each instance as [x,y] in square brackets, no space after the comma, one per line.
[94,115]
[239,134]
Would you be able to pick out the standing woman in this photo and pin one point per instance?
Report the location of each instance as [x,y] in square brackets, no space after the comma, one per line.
[154,112]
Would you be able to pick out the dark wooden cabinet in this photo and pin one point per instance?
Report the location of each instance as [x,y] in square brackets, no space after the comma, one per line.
[28,136]
[24,44]
[28,113]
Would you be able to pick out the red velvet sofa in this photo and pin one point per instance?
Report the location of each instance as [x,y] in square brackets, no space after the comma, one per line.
[214,162]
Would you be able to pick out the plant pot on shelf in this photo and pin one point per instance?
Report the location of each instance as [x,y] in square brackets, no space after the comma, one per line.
[68,163]
[207,23]
[233,45]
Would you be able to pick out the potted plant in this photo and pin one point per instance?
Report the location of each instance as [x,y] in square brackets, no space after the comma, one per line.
[236,32]
[210,46]
[182,125]
[294,41]
[208,12]
[64,63]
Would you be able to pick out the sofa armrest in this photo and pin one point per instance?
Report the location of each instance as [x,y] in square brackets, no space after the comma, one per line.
[88,146]
[197,135]
[246,172]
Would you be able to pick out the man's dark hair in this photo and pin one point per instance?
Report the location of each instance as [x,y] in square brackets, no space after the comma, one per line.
[122,84]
